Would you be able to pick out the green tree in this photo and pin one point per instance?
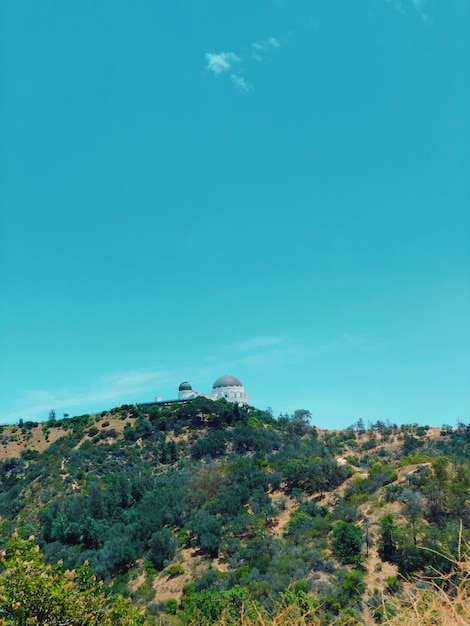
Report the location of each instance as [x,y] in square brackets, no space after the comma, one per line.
[208,531]
[347,542]
[162,548]
[413,506]
[212,445]
[387,545]
[360,426]
[33,592]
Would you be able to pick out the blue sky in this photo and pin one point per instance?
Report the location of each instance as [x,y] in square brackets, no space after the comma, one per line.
[276,189]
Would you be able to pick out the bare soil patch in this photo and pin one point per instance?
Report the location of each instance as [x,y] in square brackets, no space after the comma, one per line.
[14,441]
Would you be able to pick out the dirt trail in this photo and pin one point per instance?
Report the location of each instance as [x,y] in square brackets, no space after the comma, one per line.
[172,586]
[282,520]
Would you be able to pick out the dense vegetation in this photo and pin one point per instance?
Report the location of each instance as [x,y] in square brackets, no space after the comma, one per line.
[33,592]
[244,509]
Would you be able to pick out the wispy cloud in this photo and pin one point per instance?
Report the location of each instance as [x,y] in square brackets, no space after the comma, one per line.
[115,387]
[259,48]
[418,4]
[132,379]
[271,350]
[348,342]
[264,351]
[220,62]
[405,6]
[282,355]
[240,83]
[257,342]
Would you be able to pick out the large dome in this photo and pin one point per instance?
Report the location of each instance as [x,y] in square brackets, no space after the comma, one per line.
[185,387]
[226,381]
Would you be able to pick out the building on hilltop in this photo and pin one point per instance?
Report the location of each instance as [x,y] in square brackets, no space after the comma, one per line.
[230,388]
[185,392]
[227,387]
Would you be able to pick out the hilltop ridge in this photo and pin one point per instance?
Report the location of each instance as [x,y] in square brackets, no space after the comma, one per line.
[186,505]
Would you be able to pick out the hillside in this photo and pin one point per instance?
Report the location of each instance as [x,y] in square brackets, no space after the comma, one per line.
[195,511]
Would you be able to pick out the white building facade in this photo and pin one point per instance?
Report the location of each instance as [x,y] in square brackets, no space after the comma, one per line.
[227,387]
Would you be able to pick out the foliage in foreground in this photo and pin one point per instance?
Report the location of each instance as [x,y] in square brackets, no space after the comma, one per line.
[216,481]
[435,601]
[33,592]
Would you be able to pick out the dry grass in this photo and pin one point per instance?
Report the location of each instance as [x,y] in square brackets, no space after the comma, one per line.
[15,441]
[288,613]
[440,600]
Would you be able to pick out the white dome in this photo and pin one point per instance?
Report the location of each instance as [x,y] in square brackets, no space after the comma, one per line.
[230,389]
[226,381]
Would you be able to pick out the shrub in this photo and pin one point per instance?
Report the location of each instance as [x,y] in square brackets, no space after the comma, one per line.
[29,455]
[162,548]
[392,584]
[171,606]
[174,569]
[347,542]
[32,592]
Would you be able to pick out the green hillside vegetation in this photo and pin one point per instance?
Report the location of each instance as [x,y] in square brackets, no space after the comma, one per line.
[211,513]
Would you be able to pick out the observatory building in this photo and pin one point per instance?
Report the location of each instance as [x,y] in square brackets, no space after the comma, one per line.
[185,392]
[227,387]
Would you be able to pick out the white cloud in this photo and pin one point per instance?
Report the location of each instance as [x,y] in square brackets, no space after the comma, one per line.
[348,342]
[261,47]
[272,351]
[130,379]
[220,62]
[240,83]
[265,351]
[111,388]
[404,6]
[279,356]
[257,342]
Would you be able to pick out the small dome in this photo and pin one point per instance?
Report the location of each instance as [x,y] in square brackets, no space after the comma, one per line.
[227,381]
[185,387]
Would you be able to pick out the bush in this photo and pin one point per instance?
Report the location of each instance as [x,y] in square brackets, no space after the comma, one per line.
[162,548]
[171,606]
[32,592]
[347,542]
[174,569]
[392,584]
[29,455]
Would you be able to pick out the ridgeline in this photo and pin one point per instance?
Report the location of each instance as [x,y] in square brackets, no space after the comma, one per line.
[212,513]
